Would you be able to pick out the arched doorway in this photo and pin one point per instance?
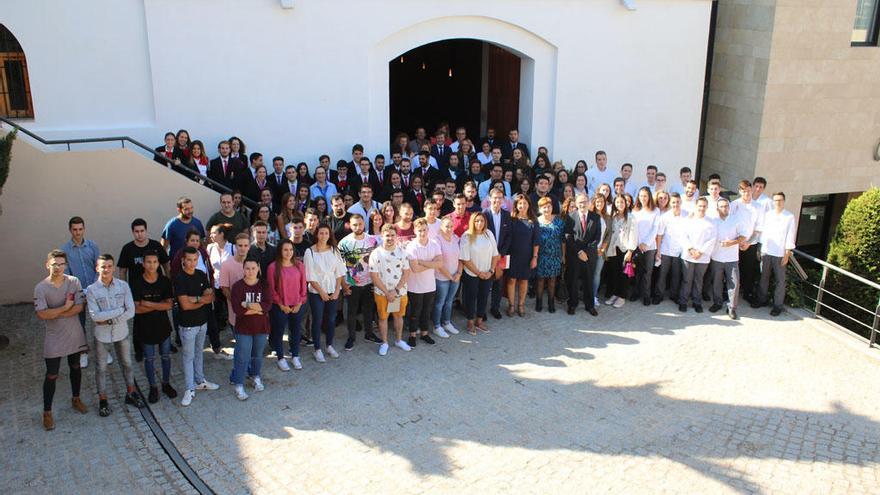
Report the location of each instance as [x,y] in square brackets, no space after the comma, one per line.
[463,82]
[15,88]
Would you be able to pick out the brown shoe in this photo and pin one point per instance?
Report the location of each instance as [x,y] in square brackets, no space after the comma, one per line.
[78,405]
[48,421]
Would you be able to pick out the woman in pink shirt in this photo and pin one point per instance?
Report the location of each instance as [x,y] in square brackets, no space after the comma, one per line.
[287,285]
[448,277]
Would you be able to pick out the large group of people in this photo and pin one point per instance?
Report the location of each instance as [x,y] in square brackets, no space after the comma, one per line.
[446,223]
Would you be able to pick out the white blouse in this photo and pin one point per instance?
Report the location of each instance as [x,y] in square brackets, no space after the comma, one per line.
[480,252]
[323,267]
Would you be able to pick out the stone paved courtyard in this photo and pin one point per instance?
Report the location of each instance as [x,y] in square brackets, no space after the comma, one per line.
[638,400]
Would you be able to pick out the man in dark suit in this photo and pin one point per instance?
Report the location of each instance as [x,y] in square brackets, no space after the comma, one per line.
[357,152]
[417,196]
[498,222]
[512,144]
[343,177]
[169,151]
[382,172]
[364,174]
[277,181]
[324,161]
[440,151]
[429,174]
[583,229]
[225,169]
[247,182]
[489,138]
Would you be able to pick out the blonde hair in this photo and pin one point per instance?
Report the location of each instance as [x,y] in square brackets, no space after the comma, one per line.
[472,230]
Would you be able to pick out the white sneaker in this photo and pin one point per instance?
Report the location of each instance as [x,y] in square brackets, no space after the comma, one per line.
[206,385]
[449,327]
[240,394]
[383,349]
[438,331]
[596,301]
[223,355]
[619,302]
[282,365]
[611,300]
[332,352]
[258,384]
[297,364]
[403,345]
[83,360]
[109,358]
[319,356]
[188,397]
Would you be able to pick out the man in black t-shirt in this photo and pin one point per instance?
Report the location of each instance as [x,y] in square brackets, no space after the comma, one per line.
[194,295]
[152,296]
[338,218]
[260,248]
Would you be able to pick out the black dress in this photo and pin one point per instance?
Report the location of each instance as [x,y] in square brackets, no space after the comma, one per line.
[523,239]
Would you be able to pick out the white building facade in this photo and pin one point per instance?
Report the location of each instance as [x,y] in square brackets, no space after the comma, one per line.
[303,77]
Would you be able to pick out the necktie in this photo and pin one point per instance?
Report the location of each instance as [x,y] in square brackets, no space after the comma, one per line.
[224,167]
[380,176]
[583,224]
[406,181]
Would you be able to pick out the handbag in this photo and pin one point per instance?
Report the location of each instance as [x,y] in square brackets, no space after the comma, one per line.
[629,270]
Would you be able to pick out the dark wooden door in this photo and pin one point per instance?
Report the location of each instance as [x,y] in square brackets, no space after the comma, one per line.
[502,109]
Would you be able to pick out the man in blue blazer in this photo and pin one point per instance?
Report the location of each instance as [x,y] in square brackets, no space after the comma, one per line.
[499,223]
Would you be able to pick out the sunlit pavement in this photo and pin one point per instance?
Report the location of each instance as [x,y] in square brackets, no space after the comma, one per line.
[637,400]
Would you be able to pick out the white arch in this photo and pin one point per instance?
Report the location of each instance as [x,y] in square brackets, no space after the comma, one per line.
[537,74]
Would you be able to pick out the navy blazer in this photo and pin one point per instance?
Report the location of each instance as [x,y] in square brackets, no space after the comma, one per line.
[503,240]
[577,239]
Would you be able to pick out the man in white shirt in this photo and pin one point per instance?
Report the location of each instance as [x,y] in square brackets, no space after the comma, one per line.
[685,175]
[714,190]
[651,178]
[389,270]
[732,231]
[689,198]
[697,242]
[777,240]
[600,174]
[758,196]
[460,137]
[752,215]
[669,233]
[629,186]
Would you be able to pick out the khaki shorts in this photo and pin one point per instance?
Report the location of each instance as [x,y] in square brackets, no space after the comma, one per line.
[382,307]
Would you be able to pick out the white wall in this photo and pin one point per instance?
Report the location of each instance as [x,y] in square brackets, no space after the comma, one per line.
[313,79]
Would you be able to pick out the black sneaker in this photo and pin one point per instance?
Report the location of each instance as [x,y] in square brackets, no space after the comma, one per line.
[427,339]
[755,304]
[496,314]
[139,357]
[683,308]
[153,396]
[306,341]
[776,311]
[698,308]
[646,301]
[714,308]
[134,399]
[349,345]
[657,300]
[372,337]
[169,391]
[411,341]
[104,408]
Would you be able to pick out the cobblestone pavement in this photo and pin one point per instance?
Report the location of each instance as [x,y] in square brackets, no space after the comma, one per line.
[637,400]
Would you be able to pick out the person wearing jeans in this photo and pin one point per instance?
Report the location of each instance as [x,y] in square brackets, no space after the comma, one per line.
[479,255]
[324,272]
[448,279]
[153,298]
[286,277]
[110,307]
[251,301]
[194,296]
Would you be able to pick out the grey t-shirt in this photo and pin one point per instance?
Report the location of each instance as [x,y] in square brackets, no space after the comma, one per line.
[64,336]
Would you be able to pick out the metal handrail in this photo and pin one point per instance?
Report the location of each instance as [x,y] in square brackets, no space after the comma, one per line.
[192,174]
[874,327]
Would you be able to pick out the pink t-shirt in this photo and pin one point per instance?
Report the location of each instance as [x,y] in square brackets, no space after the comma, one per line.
[423,281]
[231,271]
[292,290]
[450,251]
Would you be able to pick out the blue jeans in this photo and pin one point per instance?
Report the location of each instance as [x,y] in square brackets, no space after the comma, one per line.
[322,311]
[597,275]
[149,361]
[282,321]
[192,341]
[248,356]
[443,299]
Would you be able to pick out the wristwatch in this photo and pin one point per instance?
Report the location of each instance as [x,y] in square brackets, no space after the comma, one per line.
[198,299]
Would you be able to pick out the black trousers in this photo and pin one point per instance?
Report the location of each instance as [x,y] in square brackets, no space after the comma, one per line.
[618,282]
[749,271]
[579,280]
[418,311]
[53,366]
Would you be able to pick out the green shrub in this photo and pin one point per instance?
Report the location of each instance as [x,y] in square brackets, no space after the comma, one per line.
[856,248]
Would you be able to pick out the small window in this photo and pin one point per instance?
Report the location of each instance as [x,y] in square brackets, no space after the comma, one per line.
[865,25]
[15,89]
